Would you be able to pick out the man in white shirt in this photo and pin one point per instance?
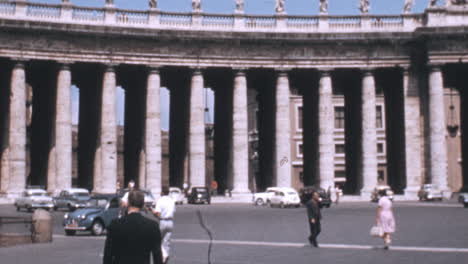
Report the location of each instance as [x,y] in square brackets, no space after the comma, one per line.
[165,209]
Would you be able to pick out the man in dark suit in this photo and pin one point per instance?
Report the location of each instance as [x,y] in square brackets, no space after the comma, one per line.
[314,217]
[133,238]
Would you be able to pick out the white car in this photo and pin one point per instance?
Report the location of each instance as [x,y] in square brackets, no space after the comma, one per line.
[263,198]
[285,198]
[176,194]
[33,199]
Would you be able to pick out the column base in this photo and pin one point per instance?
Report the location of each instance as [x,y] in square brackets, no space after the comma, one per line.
[411,193]
[366,194]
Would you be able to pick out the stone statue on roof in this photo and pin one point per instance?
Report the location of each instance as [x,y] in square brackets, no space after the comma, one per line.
[279,9]
[408,6]
[153,4]
[196,6]
[457,2]
[323,7]
[364,6]
[239,6]
[432,3]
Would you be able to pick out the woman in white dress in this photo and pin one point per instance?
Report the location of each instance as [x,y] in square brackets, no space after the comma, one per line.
[385,218]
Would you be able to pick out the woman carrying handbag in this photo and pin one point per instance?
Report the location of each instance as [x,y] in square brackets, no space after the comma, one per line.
[385,219]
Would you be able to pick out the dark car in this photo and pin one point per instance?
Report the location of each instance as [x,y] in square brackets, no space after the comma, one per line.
[305,194]
[95,217]
[71,198]
[199,195]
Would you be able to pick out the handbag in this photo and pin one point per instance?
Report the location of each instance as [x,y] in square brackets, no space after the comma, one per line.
[376,231]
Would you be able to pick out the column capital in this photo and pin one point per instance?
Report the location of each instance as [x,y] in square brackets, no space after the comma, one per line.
[367,71]
[434,67]
[110,67]
[155,69]
[239,71]
[65,65]
[19,62]
[325,72]
[197,70]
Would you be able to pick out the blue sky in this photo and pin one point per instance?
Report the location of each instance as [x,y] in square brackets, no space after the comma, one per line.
[264,7]
[293,7]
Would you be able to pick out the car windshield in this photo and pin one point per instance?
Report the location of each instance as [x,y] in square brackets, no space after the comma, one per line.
[291,193]
[97,202]
[39,194]
[82,194]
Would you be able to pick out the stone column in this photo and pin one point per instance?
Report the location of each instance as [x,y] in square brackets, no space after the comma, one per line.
[17,131]
[63,129]
[240,140]
[282,165]
[368,136]
[412,133]
[326,168]
[197,131]
[152,141]
[438,144]
[106,181]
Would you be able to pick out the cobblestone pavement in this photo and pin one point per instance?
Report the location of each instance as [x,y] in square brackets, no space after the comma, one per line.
[426,233]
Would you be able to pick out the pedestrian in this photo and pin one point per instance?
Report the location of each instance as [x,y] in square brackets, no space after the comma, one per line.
[165,209]
[314,217]
[133,239]
[214,187]
[124,199]
[385,218]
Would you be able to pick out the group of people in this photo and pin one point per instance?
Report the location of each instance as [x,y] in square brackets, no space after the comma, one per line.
[136,238]
[385,218]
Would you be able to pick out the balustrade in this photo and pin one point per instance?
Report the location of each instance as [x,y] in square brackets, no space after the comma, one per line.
[302,22]
[218,20]
[132,17]
[7,8]
[259,21]
[83,15]
[88,14]
[175,19]
[45,11]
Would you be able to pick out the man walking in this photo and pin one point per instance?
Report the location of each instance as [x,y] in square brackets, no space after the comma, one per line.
[133,239]
[165,209]
[314,217]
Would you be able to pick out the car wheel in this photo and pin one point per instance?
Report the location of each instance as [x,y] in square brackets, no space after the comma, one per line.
[17,207]
[97,228]
[282,205]
[328,206]
[298,205]
[70,232]
[465,205]
[29,208]
[71,208]
[259,202]
[55,208]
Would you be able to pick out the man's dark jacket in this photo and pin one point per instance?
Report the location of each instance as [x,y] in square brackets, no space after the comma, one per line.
[313,211]
[132,239]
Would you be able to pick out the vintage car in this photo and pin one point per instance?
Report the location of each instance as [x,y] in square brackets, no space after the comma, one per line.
[285,198]
[176,194]
[305,194]
[263,198]
[32,199]
[375,196]
[463,198]
[71,198]
[95,217]
[199,195]
[429,192]
[150,202]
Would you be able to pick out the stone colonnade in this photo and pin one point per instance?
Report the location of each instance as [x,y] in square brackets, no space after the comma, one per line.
[13,177]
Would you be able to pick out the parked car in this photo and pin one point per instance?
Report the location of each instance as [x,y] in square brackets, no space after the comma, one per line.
[285,198]
[150,202]
[463,198]
[71,198]
[263,198]
[375,196]
[176,194]
[305,195]
[95,217]
[429,192]
[199,195]
[34,198]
